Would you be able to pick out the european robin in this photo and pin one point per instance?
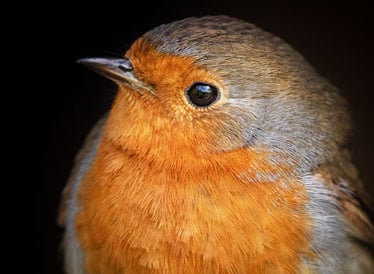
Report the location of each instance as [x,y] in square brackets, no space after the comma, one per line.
[224,152]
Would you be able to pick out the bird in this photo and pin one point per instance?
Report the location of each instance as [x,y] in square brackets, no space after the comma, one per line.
[224,151]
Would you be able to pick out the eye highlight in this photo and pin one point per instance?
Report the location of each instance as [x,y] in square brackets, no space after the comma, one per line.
[202,94]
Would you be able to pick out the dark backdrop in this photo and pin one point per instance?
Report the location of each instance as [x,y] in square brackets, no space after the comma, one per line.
[67,98]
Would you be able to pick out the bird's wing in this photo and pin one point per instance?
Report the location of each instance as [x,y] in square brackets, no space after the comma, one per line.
[354,203]
[82,163]
[341,178]
[356,209]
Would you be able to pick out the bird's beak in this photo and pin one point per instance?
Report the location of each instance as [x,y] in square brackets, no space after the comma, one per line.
[118,70]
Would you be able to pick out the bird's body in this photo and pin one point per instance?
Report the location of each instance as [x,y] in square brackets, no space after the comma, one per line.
[224,152]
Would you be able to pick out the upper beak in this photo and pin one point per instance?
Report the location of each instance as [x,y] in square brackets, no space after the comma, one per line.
[119,70]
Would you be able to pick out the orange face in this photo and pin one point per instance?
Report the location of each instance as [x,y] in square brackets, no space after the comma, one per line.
[167,195]
[166,120]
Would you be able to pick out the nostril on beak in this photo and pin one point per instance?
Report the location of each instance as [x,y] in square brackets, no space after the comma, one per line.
[124,69]
[125,65]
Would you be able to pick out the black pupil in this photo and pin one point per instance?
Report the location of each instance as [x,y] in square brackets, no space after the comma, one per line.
[202,95]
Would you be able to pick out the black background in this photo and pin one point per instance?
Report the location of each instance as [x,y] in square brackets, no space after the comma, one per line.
[66,99]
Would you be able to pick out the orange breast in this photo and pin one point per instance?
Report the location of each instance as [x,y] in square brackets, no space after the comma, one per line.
[137,217]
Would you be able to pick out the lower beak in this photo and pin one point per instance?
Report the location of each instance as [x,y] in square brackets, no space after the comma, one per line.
[118,70]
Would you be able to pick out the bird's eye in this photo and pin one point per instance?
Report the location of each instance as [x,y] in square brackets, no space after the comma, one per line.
[202,95]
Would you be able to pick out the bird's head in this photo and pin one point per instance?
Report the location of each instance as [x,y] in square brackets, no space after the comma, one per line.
[216,84]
